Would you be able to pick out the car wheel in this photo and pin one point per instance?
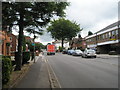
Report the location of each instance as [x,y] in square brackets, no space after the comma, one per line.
[86,56]
[82,56]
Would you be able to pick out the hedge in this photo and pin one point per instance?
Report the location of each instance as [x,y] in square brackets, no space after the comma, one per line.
[6,69]
[26,57]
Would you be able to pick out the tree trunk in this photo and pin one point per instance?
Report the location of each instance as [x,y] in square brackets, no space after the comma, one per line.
[62,43]
[20,42]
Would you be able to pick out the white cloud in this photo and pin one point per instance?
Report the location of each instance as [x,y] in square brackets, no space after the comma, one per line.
[93,14]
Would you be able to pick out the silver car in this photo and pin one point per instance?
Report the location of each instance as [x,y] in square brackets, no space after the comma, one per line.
[70,52]
[77,53]
[89,53]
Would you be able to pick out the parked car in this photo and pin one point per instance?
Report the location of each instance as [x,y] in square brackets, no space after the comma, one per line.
[89,53]
[70,51]
[77,53]
[112,53]
[64,52]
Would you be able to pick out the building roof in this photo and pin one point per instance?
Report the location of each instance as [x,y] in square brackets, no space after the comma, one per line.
[27,37]
[59,41]
[116,24]
[37,42]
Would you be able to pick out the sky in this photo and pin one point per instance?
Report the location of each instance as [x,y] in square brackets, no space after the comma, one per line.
[92,15]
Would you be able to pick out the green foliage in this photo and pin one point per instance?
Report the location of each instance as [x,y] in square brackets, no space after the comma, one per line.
[24,43]
[90,33]
[63,29]
[6,69]
[29,15]
[26,57]
[38,46]
[61,49]
[36,14]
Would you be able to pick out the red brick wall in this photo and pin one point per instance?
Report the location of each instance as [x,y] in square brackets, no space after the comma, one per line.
[5,50]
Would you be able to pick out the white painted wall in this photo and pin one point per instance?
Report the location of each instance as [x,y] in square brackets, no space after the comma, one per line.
[66,45]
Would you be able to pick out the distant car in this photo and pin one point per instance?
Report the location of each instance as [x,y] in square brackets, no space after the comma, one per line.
[70,51]
[89,53]
[64,52]
[77,53]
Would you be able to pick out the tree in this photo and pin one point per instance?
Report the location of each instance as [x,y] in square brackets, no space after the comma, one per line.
[24,44]
[38,46]
[90,33]
[29,14]
[62,29]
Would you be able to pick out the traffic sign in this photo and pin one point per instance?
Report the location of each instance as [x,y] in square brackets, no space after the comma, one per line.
[33,44]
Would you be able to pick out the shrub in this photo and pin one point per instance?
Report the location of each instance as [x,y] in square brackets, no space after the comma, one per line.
[6,69]
[7,57]
[26,57]
[32,55]
[61,49]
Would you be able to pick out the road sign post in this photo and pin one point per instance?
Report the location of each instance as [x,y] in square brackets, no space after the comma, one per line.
[33,44]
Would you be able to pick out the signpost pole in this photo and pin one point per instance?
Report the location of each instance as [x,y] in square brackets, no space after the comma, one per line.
[34,52]
[33,44]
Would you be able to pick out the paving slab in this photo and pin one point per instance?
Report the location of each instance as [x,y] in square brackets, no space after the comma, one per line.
[37,76]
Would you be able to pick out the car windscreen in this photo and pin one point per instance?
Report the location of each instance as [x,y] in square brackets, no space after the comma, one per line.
[91,51]
[78,51]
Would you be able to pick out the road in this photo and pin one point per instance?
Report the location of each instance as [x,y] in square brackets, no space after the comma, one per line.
[78,72]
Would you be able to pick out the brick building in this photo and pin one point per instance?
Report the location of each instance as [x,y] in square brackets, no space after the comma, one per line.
[28,39]
[14,43]
[4,43]
[78,43]
[105,40]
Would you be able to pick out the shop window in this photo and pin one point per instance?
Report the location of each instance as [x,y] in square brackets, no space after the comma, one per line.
[113,33]
[103,36]
[109,34]
[106,35]
[100,37]
[97,37]
[116,32]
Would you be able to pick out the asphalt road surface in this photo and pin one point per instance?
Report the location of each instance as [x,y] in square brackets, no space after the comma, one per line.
[78,72]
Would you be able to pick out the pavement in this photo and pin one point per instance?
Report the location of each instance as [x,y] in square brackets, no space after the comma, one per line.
[107,56]
[37,76]
[34,75]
